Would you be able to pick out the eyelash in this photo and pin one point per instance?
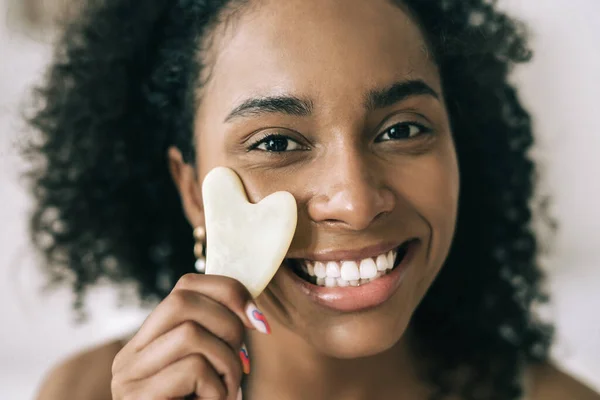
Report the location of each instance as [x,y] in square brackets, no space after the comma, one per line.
[275,136]
[423,130]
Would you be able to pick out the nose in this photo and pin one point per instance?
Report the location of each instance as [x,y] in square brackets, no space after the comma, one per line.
[351,191]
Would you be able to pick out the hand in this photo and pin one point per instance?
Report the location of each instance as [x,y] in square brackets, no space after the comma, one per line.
[190,344]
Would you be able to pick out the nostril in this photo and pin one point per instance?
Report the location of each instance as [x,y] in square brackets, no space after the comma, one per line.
[381,215]
[352,206]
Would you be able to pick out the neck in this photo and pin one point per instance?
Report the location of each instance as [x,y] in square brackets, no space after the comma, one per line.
[285,364]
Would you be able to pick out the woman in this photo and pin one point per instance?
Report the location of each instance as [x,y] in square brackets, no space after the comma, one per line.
[365,112]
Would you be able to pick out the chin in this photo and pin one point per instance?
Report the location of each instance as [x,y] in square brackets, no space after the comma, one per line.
[360,337]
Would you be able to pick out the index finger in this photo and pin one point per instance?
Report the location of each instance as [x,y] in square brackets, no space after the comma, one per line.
[226,304]
[225,290]
[229,292]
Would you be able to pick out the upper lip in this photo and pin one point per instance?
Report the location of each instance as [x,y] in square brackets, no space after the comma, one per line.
[351,255]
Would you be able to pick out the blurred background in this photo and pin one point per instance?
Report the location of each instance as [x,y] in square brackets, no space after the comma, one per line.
[561,88]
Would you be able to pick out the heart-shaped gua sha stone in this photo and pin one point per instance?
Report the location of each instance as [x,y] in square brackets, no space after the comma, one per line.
[245,241]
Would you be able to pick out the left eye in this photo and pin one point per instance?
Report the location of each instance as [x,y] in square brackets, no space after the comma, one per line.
[404,130]
[276,144]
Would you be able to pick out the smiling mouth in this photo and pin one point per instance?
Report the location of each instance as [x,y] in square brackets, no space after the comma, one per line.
[345,273]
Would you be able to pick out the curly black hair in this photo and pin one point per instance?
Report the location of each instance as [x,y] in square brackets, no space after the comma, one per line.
[120,92]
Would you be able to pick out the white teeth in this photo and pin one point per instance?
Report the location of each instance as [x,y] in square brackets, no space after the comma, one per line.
[320,271]
[391,258]
[342,283]
[382,262]
[333,270]
[368,269]
[311,268]
[350,271]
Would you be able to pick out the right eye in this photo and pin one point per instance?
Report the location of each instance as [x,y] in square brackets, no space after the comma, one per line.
[276,144]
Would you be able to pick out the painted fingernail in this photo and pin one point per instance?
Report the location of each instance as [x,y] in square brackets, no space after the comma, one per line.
[257,319]
[239,396]
[245,358]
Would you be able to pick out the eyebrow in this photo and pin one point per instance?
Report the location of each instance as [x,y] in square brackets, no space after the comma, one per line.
[397,92]
[289,105]
[295,106]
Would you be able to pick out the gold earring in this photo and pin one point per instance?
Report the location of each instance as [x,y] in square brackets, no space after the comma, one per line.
[200,237]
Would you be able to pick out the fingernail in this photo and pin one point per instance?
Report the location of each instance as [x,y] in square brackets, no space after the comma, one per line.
[257,318]
[245,358]
[239,396]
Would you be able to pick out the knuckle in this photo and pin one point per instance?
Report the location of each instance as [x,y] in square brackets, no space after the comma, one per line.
[120,361]
[198,364]
[188,331]
[235,291]
[186,281]
[178,301]
[117,389]
[234,334]
[116,363]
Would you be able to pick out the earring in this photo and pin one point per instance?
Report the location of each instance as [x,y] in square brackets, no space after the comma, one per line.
[200,237]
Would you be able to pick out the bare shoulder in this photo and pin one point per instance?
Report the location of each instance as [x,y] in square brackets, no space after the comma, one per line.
[550,383]
[86,375]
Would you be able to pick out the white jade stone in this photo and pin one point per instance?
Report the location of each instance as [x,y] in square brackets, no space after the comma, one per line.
[245,241]
[368,269]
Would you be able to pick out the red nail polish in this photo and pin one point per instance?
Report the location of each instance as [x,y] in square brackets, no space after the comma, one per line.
[245,358]
[257,318]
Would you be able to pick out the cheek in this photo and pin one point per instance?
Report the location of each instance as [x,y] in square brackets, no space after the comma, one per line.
[209,152]
[432,188]
[214,150]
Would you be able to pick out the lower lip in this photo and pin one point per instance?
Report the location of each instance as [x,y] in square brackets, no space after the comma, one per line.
[358,298]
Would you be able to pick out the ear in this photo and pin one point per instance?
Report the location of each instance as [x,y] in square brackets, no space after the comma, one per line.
[190,190]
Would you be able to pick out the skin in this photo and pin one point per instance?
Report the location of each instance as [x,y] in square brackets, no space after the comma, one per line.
[382,191]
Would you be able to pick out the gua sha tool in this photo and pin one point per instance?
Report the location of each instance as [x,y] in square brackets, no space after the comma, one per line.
[245,241]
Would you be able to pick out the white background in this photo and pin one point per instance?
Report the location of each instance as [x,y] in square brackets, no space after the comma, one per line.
[561,88]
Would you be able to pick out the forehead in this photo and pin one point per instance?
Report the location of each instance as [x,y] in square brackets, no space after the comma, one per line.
[315,48]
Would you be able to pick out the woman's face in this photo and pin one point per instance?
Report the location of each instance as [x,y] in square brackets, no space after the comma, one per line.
[339,103]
